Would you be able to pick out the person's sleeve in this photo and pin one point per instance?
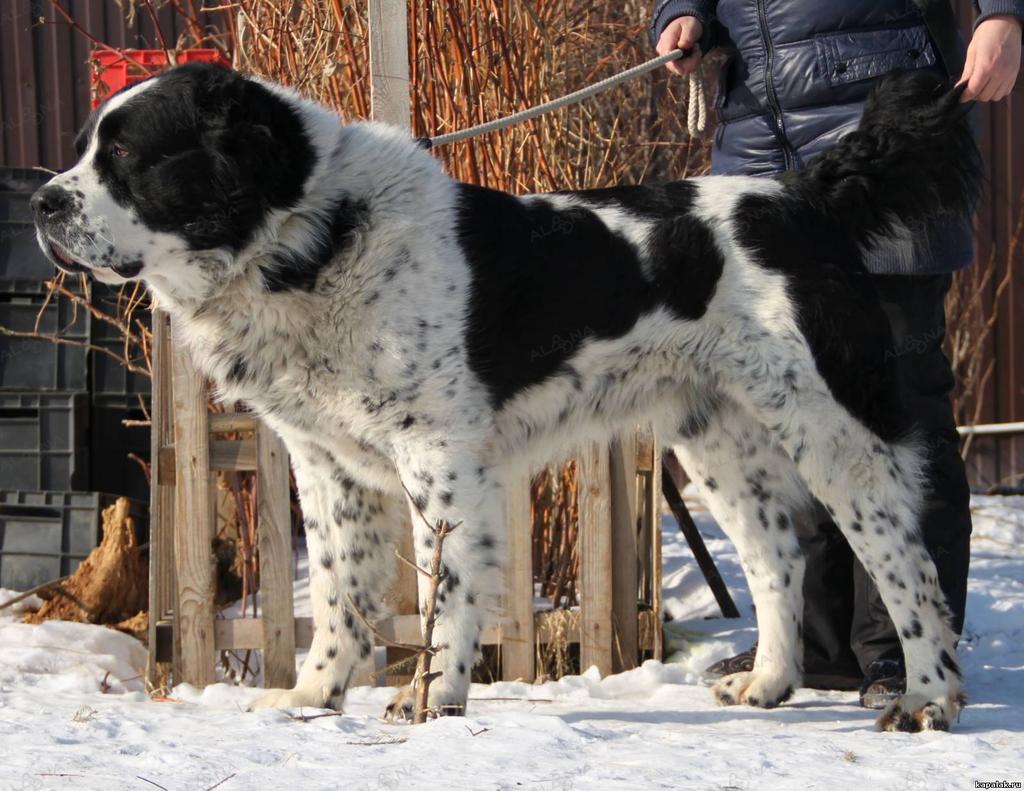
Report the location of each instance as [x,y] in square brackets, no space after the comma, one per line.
[990,8]
[667,10]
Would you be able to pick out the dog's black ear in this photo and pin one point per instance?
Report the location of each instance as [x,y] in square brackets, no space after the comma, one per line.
[259,154]
[255,138]
[263,135]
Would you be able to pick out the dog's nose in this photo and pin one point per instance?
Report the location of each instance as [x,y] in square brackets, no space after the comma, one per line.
[50,201]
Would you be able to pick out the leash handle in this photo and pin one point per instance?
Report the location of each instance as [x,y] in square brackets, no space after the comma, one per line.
[555,104]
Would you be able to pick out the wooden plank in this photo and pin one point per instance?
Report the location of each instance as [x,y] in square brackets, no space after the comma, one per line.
[403,596]
[162,593]
[595,550]
[645,449]
[623,582]
[194,525]
[389,61]
[275,546]
[644,543]
[223,422]
[163,471]
[517,649]
[247,633]
[653,515]
[241,634]
[233,454]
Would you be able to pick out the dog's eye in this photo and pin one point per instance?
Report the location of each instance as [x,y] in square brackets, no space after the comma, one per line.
[119,151]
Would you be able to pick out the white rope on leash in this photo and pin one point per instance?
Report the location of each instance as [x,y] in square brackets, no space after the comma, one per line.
[696,118]
[696,100]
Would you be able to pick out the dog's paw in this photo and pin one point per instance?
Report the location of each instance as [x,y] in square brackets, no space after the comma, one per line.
[752,688]
[915,713]
[401,707]
[293,699]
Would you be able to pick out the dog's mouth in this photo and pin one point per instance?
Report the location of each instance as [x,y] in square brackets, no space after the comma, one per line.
[63,259]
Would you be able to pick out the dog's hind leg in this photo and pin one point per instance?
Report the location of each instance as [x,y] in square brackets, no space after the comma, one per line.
[751,486]
[350,531]
[872,488]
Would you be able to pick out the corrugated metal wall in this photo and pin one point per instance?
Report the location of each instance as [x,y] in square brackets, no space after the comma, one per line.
[44,98]
[44,79]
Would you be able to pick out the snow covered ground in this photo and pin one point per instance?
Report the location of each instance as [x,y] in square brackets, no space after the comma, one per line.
[73,713]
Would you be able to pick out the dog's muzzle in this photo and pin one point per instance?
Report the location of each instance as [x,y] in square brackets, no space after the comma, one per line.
[52,207]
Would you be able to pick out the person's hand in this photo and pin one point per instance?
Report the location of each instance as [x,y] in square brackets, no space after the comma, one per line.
[682,33]
[993,59]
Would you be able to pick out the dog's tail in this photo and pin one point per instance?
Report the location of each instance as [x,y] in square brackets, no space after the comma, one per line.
[912,157]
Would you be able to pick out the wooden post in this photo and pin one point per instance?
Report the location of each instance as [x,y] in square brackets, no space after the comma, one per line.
[624,584]
[193,524]
[162,593]
[275,544]
[389,61]
[390,102]
[517,628]
[595,549]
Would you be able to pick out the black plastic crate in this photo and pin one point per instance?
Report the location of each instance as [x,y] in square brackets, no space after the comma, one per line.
[40,364]
[32,288]
[111,442]
[20,256]
[22,180]
[43,441]
[45,535]
[110,378]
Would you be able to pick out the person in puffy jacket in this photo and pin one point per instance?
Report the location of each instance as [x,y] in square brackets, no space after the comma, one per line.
[795,81]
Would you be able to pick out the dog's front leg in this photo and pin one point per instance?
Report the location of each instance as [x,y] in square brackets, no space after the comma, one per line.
[350,532]
[459,490]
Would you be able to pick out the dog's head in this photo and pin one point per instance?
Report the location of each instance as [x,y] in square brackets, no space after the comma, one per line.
[176,173]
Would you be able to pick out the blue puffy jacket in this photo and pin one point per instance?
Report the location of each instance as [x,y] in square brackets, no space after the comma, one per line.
[796,79]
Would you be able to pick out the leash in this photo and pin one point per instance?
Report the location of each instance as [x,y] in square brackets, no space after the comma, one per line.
[696,113]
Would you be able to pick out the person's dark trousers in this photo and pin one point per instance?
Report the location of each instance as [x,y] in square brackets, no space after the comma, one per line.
[846,625]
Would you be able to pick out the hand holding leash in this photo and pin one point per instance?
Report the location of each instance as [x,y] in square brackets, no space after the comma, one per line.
[684,34]
[993,60]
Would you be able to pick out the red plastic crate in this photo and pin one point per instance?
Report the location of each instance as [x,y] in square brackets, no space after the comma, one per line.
[117,69]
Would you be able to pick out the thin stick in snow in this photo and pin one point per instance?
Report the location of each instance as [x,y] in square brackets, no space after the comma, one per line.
[421,681]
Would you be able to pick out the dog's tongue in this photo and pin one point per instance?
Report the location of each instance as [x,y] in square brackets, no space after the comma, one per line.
[64,260]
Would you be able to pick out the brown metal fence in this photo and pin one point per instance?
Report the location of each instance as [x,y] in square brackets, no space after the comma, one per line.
[44,76]
[44,99]
[1000,460]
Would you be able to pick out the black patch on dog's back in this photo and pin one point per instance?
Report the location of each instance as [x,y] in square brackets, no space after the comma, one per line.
[836,305]
[545,280]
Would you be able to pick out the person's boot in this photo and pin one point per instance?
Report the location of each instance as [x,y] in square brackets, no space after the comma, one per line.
[884,681]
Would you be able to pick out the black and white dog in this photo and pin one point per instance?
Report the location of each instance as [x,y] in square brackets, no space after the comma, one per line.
[407,333]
